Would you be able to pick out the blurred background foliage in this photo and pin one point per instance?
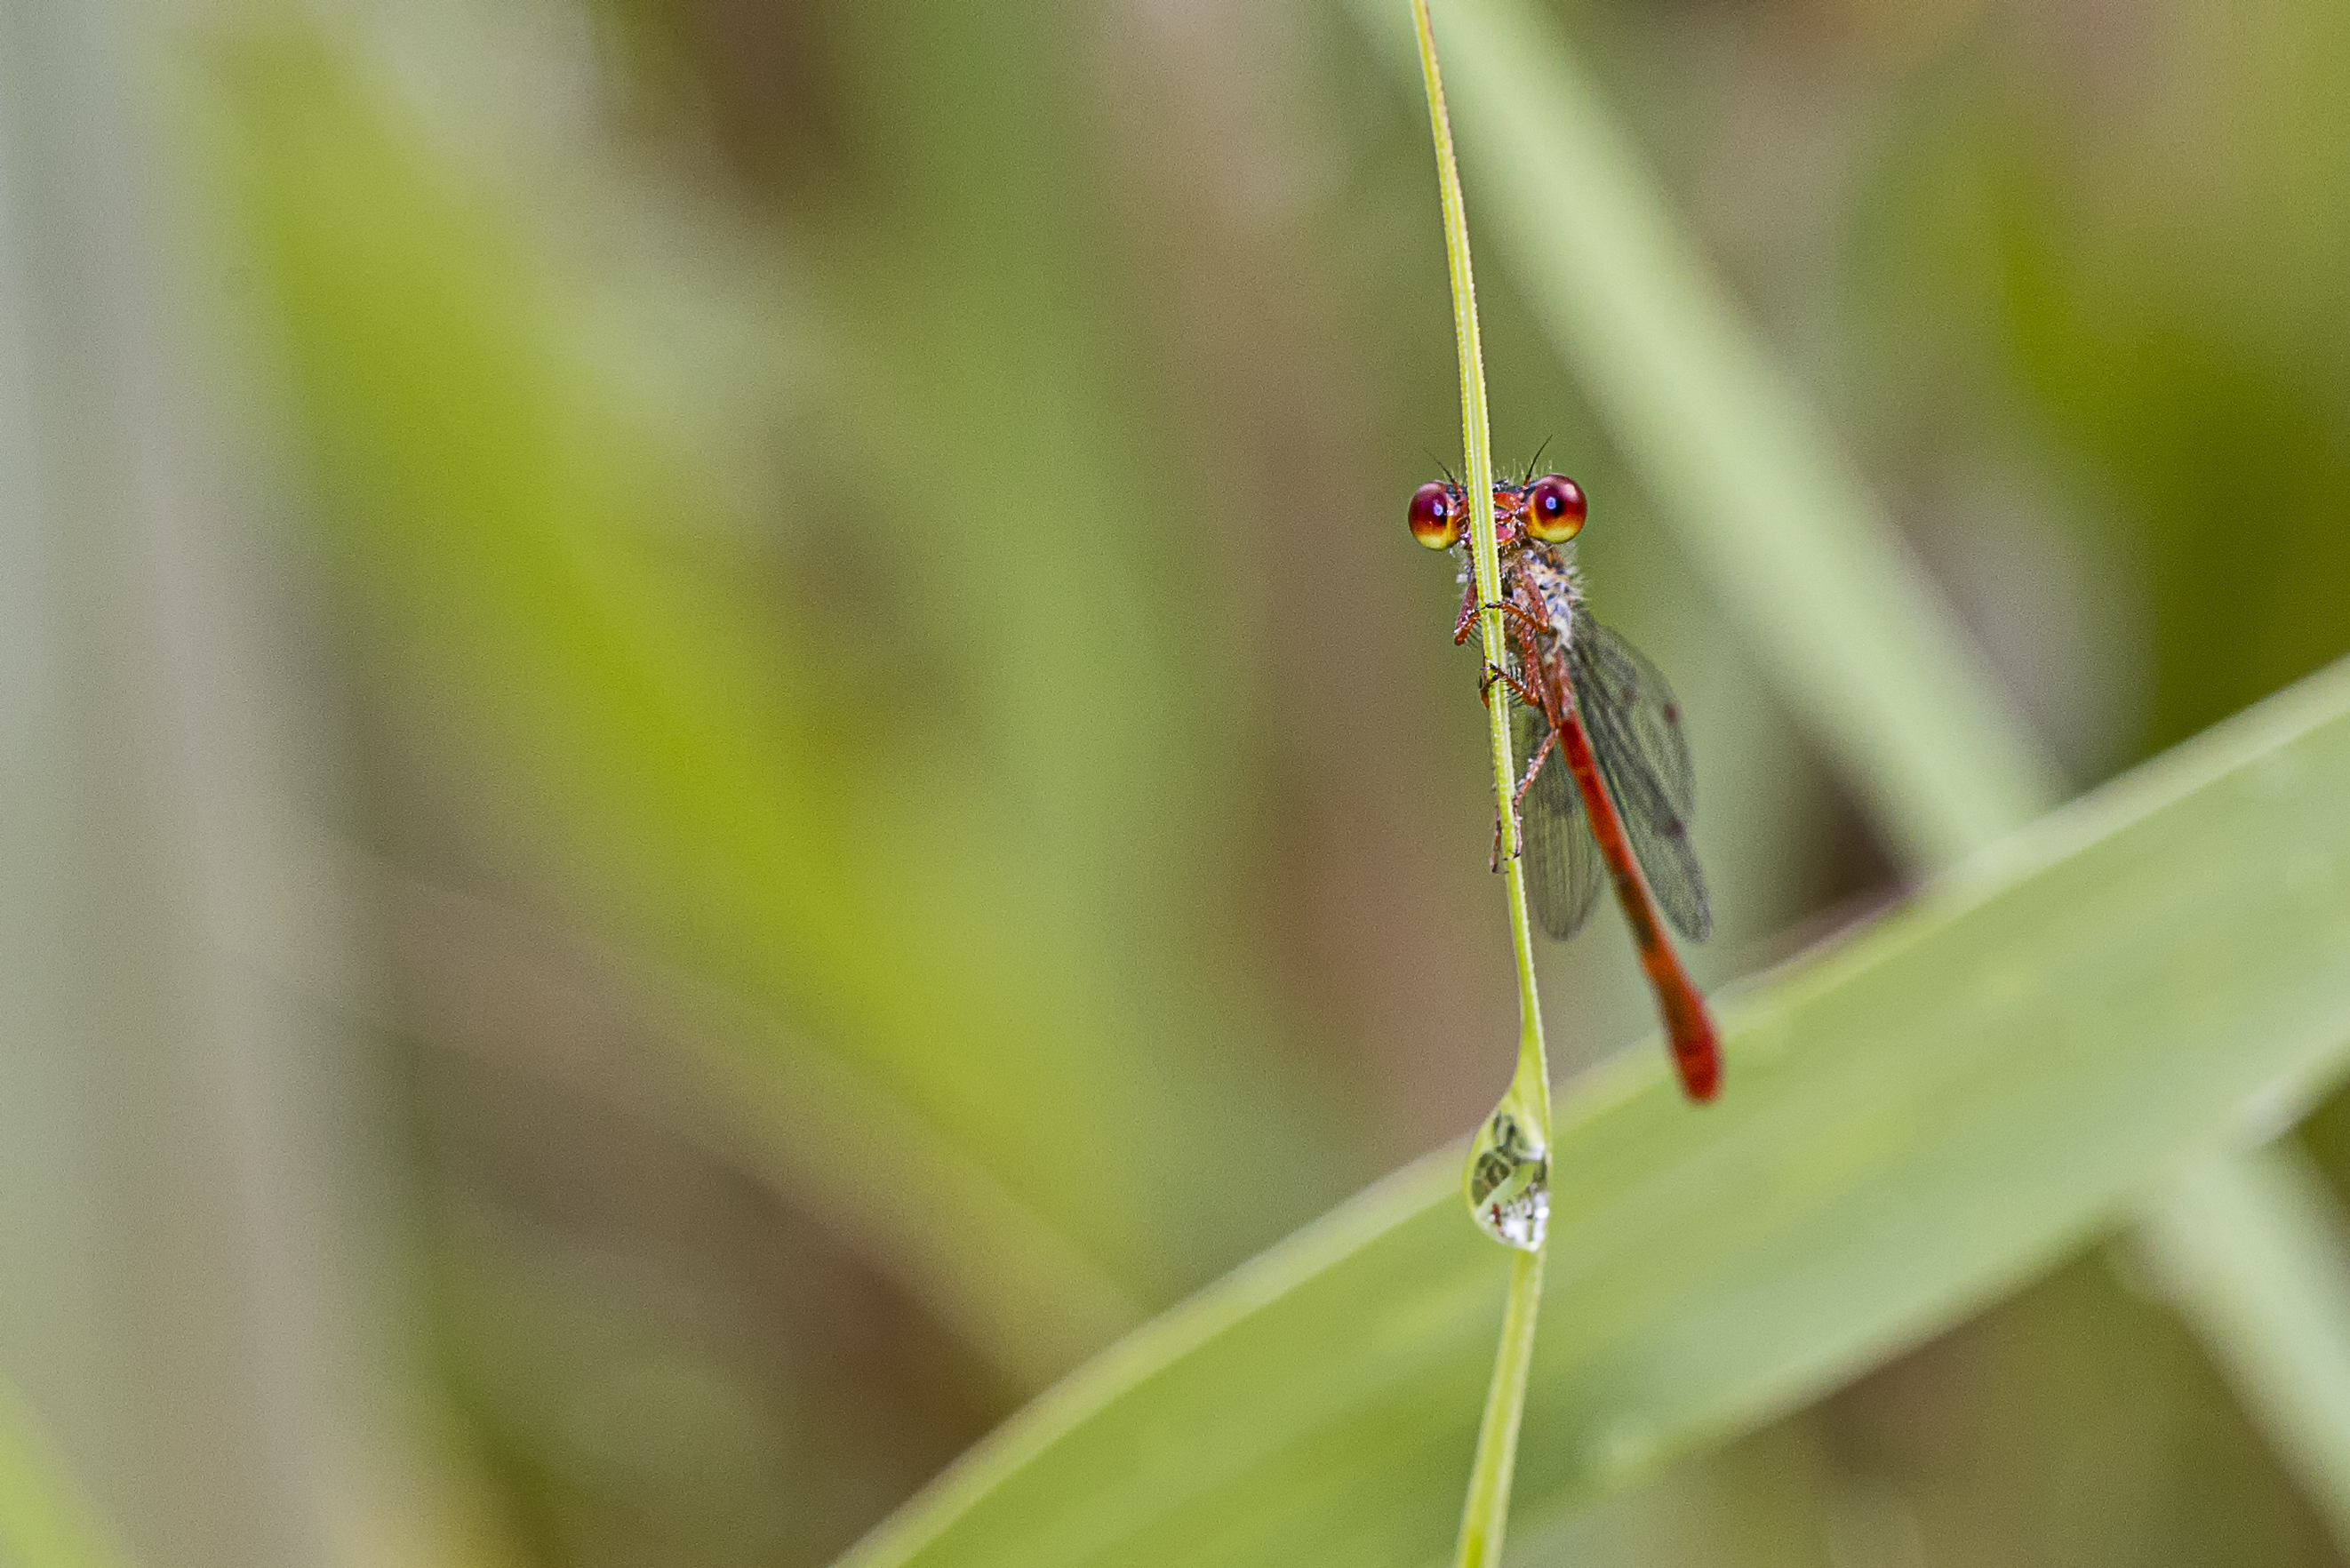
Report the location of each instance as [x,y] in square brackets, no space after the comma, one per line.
[886,789]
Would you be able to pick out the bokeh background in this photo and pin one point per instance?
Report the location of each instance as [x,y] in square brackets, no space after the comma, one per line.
[721,737]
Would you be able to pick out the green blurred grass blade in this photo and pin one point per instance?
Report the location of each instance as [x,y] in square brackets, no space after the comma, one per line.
[2253,1251]
[497,511]
[44,1523]
[728,1079]
[1926,1115]
[200,1278]
[1781,524]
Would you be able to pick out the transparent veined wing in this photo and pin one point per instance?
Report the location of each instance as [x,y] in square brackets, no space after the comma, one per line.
[1636,733]
[1564,868]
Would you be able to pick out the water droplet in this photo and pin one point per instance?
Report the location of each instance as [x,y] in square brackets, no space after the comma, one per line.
[1507,1183]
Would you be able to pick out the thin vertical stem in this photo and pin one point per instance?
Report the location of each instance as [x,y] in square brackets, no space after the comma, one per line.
[1485,1512]
[1533,1074]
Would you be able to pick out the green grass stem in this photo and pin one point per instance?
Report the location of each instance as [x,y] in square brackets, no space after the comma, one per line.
[1485,1512]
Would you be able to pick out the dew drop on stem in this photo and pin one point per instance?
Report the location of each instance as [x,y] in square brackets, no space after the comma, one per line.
[1508,1182]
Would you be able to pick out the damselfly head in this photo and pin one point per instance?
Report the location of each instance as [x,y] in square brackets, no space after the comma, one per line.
[1549,510]
[1439,515]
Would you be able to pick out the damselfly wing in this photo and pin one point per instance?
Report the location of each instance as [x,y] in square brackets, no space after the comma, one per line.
[1564,868]
[1634,728]
[1636,731]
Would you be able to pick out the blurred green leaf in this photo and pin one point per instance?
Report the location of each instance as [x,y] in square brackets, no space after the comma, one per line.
[44,1520]
[1926,1115]
[2253,1251]
[498,511]
[723,1080]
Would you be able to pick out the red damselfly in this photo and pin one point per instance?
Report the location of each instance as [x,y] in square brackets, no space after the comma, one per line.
[1607,788]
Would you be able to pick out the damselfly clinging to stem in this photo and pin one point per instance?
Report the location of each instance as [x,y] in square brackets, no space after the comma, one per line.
[1607,788]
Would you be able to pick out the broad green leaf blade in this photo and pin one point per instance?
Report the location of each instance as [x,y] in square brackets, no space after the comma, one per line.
[1926,1115]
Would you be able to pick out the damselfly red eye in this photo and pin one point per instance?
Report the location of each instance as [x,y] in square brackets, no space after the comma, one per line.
[1555,509]
[1435,517]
